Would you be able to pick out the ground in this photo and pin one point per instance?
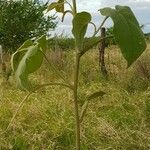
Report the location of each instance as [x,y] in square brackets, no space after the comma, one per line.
[120,120]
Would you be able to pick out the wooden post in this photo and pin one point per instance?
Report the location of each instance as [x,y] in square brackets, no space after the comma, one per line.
[102,53]
[3,68]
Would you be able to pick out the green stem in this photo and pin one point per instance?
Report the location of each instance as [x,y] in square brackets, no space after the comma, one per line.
[76,76]
[69,5]
[100,26]
[95,29]
[75,91]
[74,7]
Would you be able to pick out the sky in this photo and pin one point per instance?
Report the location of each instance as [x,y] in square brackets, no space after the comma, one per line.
[141,9]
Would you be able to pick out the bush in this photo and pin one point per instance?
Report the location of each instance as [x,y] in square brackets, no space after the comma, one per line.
[21,20]
[65,43]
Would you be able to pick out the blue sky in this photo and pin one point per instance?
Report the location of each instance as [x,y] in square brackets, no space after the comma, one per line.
[141,9]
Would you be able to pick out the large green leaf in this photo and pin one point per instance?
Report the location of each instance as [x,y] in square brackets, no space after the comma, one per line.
[26,44]
[27,59]
[29,63]
[80,24]
[127,32]
[42,43]
[17,56]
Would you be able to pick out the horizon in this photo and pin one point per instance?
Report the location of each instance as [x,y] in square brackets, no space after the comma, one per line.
[141,9]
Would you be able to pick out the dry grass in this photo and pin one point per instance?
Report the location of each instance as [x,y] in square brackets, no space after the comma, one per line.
[118,121]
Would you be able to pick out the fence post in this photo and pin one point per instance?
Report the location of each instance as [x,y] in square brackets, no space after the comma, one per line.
[102,53]
[3,67]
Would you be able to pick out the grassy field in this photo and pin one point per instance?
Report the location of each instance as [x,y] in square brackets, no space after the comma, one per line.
[118,121]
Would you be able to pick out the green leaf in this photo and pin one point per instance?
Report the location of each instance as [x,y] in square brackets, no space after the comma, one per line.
[26,44]
[96,95]
[42,43]
[58,6]
[17,56]
[127,32]
[27,59]
[52,6]
[29,63]
[80,24]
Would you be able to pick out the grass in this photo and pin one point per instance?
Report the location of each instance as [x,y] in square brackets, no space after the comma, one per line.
[118,121]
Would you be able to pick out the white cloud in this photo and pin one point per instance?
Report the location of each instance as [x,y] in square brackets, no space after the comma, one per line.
[141,8]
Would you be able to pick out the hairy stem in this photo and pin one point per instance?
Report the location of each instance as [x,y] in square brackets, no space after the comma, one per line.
[100,26]
[95,29]
[76,76]
[69,5]
[75,91]
[74,7]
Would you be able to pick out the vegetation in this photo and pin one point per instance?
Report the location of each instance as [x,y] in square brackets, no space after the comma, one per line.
[29,58]
[119,120]
[64,43]
[67,43]
[21,20]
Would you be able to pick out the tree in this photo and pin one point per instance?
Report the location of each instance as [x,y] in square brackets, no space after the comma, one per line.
[21,20]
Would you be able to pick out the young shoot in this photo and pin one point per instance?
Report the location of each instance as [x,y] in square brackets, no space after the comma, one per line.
[29,57]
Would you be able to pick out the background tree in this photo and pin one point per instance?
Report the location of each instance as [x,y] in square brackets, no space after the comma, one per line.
[21,20]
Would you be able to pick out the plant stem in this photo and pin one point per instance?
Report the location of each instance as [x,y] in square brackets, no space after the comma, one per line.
[100,26]
[74,7]
[76,76]
[75,91]
[69,5]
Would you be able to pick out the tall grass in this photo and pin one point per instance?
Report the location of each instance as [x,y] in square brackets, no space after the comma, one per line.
[118,121]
